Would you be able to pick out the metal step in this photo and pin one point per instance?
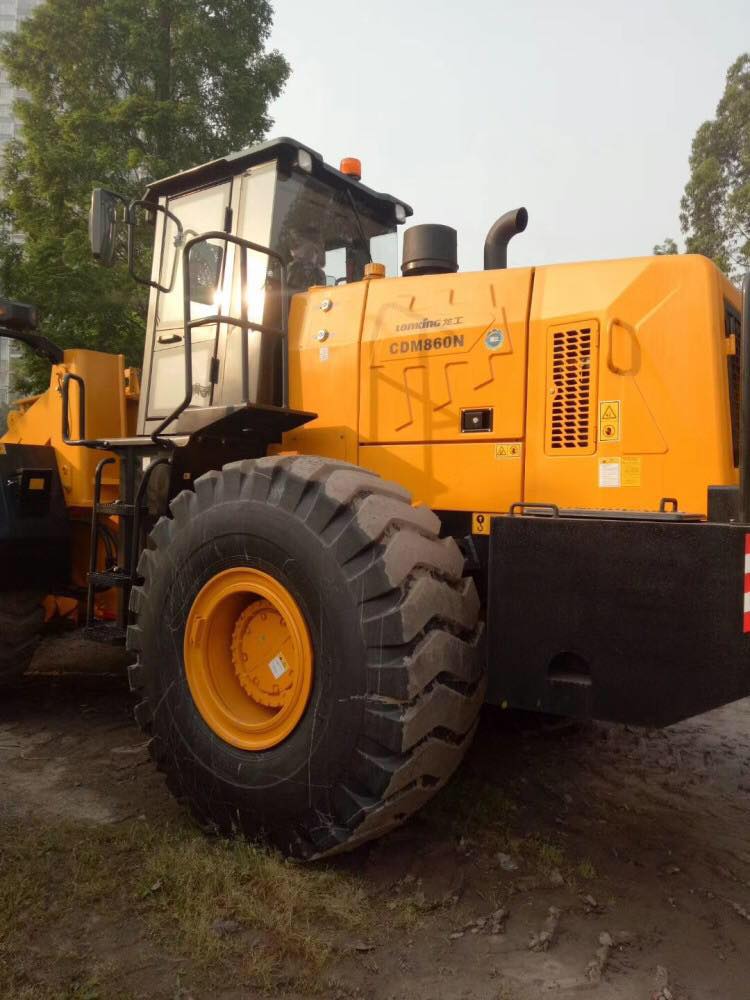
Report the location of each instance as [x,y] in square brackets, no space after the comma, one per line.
[110,578]
[108,633]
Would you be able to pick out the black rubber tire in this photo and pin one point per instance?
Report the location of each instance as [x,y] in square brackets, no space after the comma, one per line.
[21,621]
[398,680]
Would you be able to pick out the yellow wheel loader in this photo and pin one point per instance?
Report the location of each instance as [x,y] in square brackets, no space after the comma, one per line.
[341,507]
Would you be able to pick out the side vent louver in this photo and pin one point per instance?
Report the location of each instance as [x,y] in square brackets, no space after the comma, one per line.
[571,389]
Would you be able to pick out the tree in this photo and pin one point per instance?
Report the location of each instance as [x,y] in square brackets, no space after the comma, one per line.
[666,248]
[118,93]
[715,216]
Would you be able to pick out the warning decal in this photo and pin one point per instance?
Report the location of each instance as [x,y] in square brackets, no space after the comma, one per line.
[746,604]
[631,470]
[511,450]
[609,420]
[609,473]
[481,523]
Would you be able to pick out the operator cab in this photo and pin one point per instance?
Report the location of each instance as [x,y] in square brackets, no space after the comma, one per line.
[309,224]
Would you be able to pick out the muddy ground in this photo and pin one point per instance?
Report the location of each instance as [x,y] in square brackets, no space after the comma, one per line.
[565,860]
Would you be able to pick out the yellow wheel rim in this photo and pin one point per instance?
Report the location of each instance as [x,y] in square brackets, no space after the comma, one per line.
[248,658]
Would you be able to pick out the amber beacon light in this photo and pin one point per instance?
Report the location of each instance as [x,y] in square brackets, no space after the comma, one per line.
[352,166]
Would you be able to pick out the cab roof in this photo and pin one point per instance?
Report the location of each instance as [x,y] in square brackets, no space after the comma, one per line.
[286,151]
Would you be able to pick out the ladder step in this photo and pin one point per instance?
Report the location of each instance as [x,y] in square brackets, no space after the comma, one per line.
[117,509]
[110,578]
[108,633]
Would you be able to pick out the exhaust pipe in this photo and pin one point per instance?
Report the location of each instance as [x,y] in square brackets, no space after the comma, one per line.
[745,405]
[500,235]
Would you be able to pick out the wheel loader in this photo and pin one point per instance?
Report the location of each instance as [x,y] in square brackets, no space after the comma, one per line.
[344,504]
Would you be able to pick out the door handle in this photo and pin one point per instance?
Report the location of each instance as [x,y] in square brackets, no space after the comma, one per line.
[173,339]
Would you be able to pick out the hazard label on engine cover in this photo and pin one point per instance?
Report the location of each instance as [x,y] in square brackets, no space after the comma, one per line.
[609,420]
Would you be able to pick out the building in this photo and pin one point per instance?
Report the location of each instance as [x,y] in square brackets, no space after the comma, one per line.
[12,12]
[9,351]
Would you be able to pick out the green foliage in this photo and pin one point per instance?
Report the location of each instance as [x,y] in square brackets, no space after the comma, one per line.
[120,92]
[666,248]
[715,214]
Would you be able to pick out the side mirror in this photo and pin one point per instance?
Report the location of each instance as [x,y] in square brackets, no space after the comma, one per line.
[103,225]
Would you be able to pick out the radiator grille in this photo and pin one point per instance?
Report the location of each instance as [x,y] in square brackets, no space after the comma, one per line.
[733,326]
[570,423]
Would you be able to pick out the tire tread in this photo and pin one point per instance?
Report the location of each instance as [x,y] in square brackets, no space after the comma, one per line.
[419,615]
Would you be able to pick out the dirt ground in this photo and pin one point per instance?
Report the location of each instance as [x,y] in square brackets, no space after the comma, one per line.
[563,860]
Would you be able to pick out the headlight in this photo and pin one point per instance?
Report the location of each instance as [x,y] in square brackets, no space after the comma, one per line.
[304,161]
[400,214]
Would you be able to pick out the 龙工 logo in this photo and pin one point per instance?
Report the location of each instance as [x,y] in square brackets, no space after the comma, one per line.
[429,324]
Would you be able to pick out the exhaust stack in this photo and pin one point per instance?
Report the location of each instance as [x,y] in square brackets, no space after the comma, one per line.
[500,235]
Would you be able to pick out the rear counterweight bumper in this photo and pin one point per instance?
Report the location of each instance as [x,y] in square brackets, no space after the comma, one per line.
[632,621]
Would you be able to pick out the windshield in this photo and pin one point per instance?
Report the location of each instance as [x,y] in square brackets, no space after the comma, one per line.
[327,235]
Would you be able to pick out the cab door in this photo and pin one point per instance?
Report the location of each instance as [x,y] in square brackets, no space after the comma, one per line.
[164,369]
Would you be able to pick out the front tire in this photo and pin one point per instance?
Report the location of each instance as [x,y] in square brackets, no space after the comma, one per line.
[396,681]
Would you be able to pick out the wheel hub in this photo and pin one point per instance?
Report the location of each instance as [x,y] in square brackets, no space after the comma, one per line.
[262,654]
[248,658]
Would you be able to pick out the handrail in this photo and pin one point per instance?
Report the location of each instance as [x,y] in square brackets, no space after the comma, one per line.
[69,377]
[534,509]
[93,546]
[244,323]
[631,330]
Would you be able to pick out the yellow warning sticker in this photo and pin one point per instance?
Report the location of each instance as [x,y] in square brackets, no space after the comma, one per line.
[631,470]
[511,449]
[609,420]
[481,523]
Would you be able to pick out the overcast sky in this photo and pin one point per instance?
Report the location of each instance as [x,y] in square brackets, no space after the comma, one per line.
[583,111]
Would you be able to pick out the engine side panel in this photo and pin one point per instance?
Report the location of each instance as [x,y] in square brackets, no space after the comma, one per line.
[443,386]
[599,385]
[628,396]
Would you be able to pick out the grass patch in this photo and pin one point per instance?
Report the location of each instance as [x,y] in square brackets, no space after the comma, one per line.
[545,856]
[470,807]
[586,870]
[480,812]
[223,910]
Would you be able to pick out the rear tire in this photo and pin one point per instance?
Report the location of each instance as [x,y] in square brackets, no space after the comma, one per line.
[21,621]
[398,680]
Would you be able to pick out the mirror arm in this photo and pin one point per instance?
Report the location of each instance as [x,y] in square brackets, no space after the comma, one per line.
[148,282]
